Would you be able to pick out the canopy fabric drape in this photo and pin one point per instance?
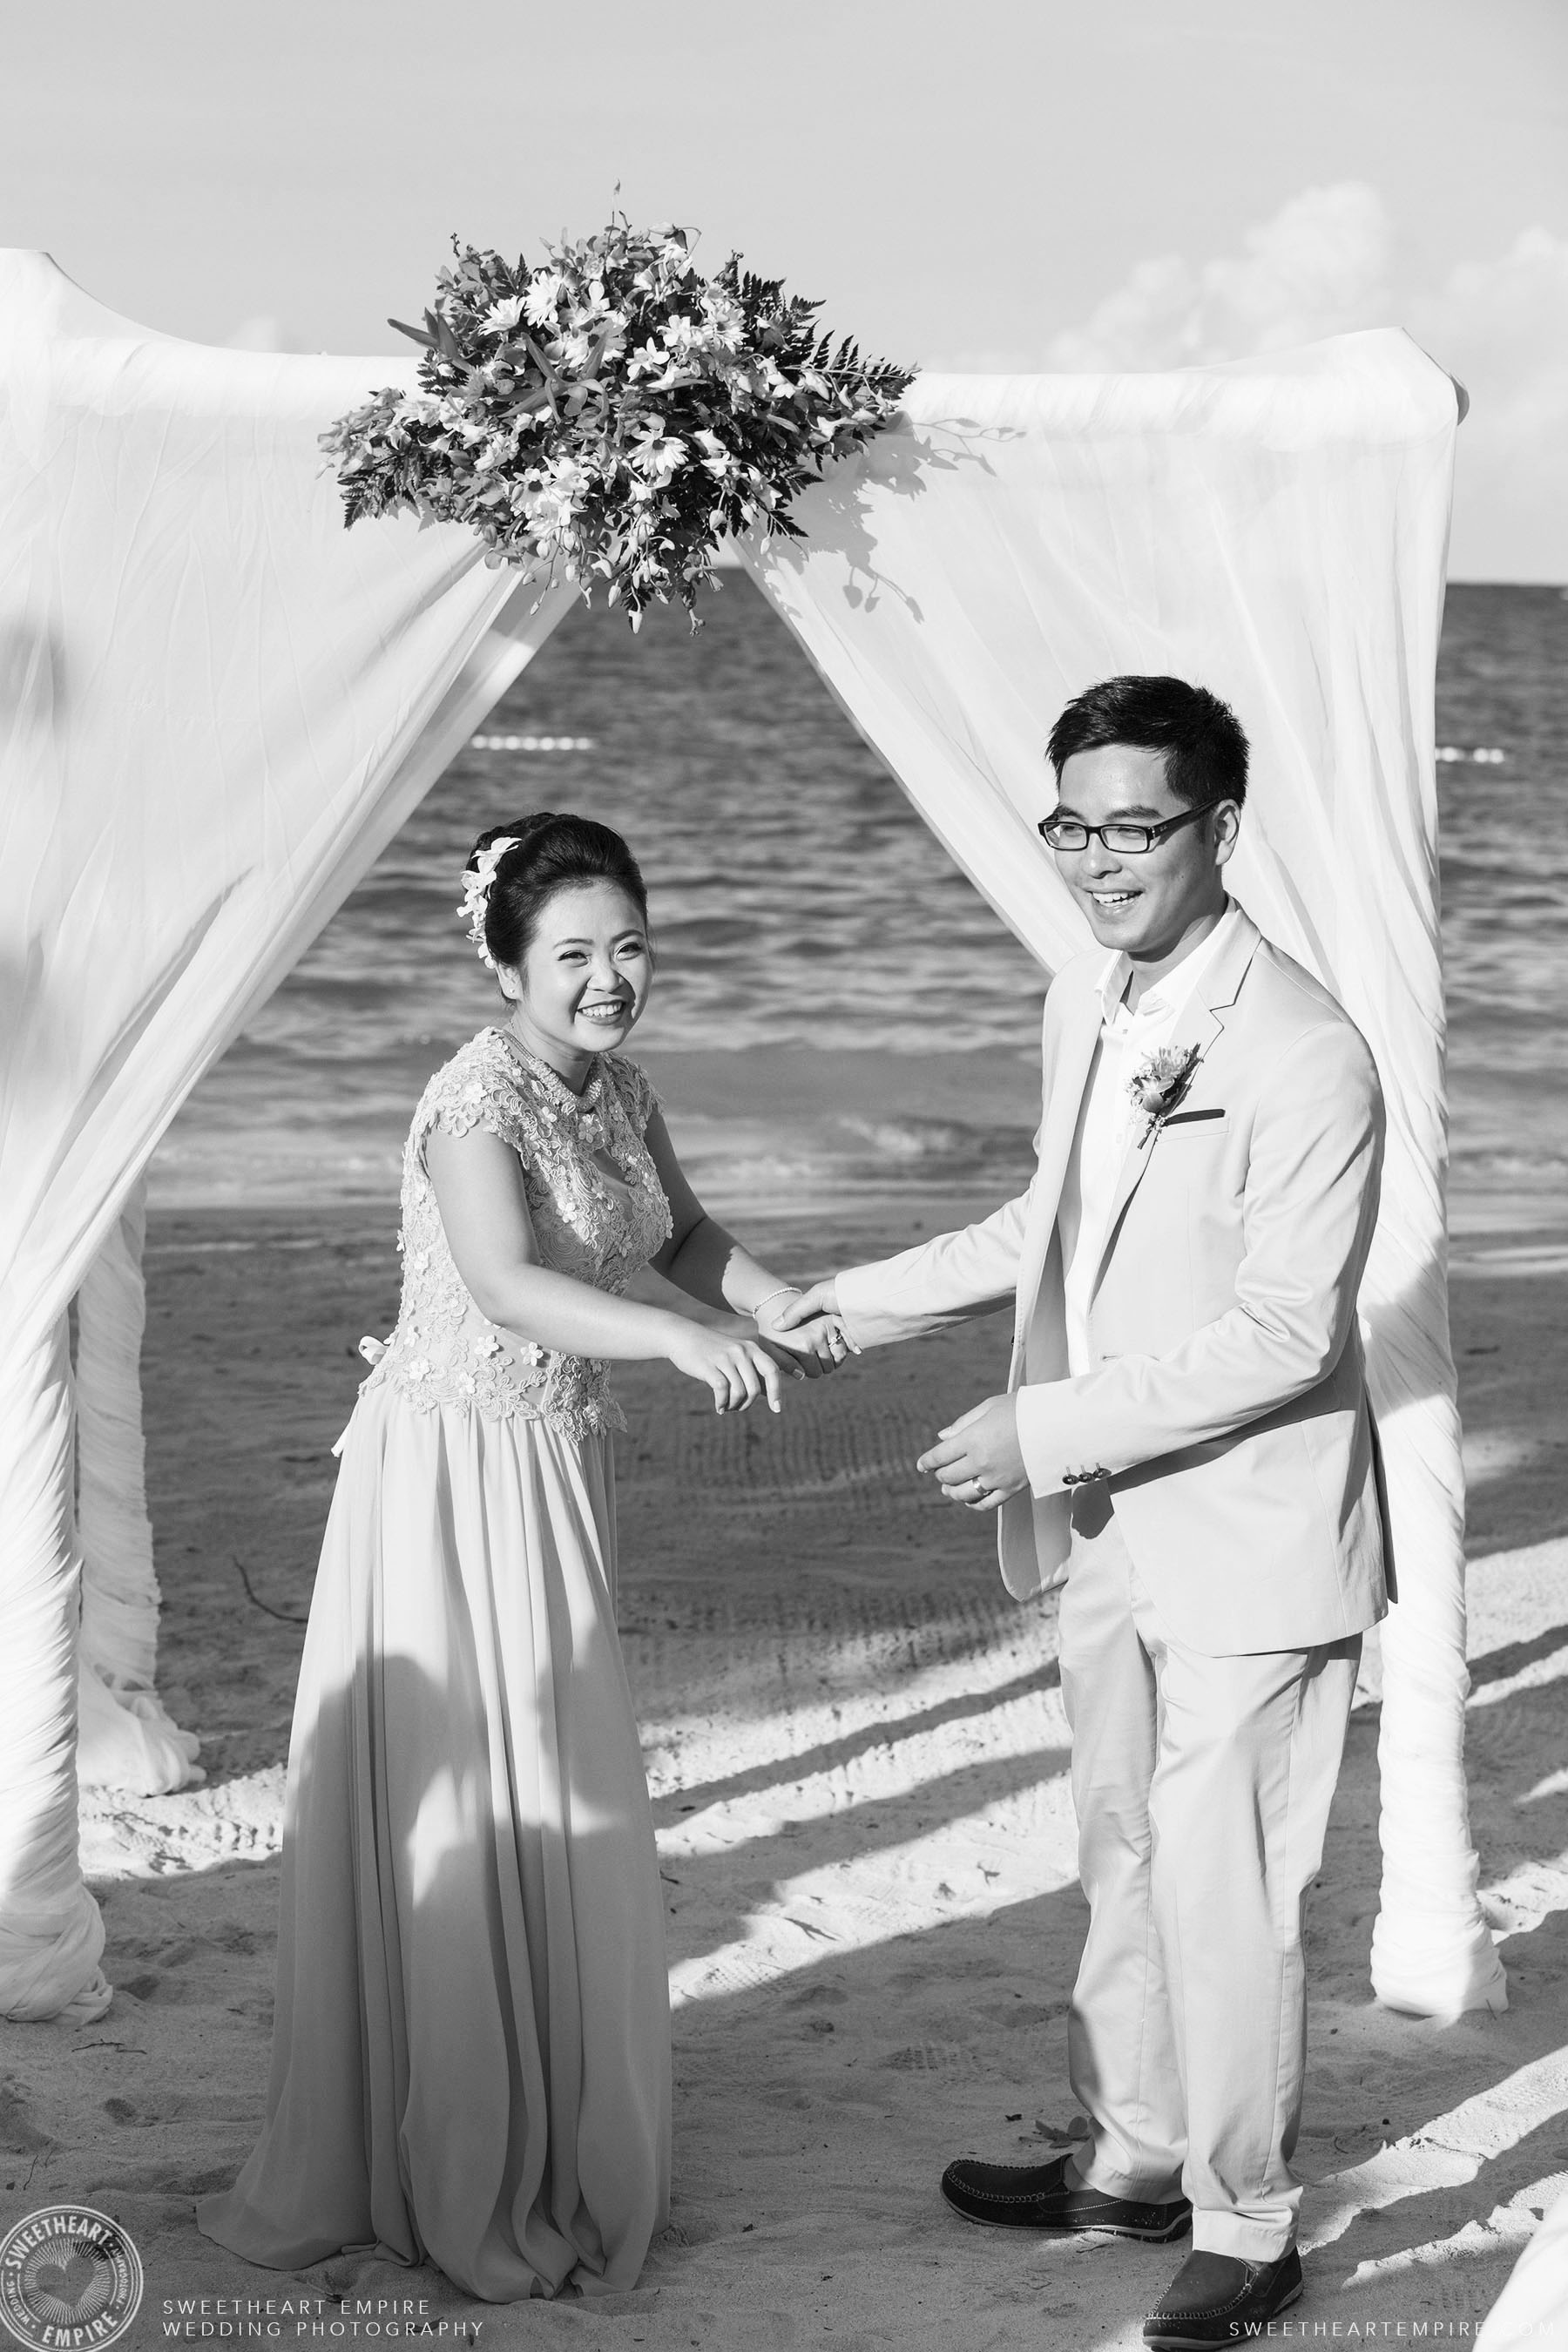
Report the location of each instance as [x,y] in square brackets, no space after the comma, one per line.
[216,707]
[1532,2313]
[125,1736]
[1275,530]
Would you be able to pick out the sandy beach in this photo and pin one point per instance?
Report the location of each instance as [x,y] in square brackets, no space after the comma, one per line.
[858,1756]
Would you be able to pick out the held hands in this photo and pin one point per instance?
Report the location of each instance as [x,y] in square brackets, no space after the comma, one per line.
[798,1334]
[977,1458]
[806,1323]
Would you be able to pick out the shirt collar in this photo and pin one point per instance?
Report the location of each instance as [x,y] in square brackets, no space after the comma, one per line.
[1168,996]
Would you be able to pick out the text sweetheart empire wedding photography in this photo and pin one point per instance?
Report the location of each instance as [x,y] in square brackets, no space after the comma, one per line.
[783,1507]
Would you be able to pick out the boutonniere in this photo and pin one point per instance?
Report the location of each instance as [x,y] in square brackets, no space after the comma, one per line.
[1159,1084]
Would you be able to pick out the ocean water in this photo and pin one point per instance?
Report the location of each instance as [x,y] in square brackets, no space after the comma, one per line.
[835,1007]
[1502,682]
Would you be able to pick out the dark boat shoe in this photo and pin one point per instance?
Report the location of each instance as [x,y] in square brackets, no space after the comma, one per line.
[1041,2197]
[1219,2299]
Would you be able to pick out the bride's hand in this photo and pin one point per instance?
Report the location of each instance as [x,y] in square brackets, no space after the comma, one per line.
[737,1371]
[809,1321]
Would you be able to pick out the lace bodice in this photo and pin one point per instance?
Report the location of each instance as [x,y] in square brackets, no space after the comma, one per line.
[590,1222]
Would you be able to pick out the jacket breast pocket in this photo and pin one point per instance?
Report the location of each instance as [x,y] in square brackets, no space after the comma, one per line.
[1199,1122]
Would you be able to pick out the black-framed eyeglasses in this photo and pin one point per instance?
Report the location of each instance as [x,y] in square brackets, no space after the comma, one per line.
[1124,840]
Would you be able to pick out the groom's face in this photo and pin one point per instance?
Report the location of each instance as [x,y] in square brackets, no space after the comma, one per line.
[1144,902]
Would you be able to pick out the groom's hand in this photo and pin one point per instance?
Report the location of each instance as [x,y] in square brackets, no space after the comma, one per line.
[977,1457]
[810,1321]
[805,1307]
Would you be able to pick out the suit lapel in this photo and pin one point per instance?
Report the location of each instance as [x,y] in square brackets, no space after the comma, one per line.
[1202,1022]
[1059,1117]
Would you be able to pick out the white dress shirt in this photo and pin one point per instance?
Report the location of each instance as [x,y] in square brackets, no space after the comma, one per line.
[1108,1118]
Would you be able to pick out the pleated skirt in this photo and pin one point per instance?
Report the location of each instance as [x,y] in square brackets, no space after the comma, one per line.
[470,2060]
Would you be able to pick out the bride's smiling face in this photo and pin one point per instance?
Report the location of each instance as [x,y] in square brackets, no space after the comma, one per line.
[585,976]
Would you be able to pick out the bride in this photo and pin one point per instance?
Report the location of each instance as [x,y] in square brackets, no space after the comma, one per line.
[470,2060]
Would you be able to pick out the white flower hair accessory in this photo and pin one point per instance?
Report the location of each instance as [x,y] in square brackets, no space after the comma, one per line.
[476,881]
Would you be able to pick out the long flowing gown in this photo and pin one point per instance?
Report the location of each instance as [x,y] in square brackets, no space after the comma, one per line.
[471,2059]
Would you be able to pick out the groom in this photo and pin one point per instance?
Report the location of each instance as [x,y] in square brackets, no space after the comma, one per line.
[1186,1437]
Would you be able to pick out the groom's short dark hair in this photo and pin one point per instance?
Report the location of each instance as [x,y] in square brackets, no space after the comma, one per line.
[1201,737]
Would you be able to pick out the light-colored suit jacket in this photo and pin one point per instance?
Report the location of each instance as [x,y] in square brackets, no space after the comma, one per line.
[1227,1403]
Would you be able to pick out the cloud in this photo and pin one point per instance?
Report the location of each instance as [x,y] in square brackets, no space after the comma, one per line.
[1320,266]
[1324,265]
[1502,328]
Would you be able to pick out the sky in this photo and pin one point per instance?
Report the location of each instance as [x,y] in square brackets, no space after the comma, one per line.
[1013,185]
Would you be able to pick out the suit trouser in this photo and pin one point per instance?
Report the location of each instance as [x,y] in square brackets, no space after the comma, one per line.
[1203,1788]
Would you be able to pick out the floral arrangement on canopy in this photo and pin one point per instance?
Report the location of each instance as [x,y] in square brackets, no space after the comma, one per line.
[612,410]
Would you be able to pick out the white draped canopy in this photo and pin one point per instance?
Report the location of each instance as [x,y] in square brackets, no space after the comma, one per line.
[216,707]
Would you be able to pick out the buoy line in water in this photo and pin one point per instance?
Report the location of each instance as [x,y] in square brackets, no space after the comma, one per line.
[530,742]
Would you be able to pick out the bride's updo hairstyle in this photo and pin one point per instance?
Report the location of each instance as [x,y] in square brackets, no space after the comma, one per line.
[549,853]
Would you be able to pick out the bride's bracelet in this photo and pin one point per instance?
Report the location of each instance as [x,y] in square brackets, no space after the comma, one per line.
[785,1289]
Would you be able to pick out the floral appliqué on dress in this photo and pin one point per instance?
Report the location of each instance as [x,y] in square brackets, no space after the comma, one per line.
[444,1350]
